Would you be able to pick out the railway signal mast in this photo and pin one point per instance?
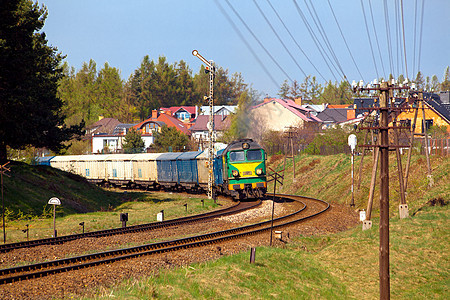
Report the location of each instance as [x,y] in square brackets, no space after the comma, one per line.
[211,70]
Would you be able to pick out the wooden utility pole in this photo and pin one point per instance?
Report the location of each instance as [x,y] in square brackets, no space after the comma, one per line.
[3,170]
[382,151]
[384,192]
[290,138]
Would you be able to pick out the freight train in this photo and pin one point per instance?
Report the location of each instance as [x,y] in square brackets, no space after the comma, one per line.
[239,169]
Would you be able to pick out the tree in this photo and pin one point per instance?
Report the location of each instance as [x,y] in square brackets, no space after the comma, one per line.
[170,139]
[284,90]
[30,111]
[133,142]
[434,84]
[445,84]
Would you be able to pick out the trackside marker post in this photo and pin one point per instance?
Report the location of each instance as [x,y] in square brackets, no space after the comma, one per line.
[54,201]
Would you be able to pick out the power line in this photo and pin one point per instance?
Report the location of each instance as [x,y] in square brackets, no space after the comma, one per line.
[236,29]
[259,42]
[324,35]
[279,38]
[404,40]
[345,41]
[376,37]
[316,42]
[420,36]
[388,34]
[370,40]
[295,41]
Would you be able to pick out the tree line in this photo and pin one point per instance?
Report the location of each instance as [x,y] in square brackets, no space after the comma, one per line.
[89,93]
[341,92]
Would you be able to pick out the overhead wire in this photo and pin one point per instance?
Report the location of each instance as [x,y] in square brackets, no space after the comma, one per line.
[324,36]
[420,35]
[345,41]
[415,34]
[259,42]
[370,40]
[278,37]
[404,40]
[314,38]
[241,36]
[388,35]
[295,40]
[376,37]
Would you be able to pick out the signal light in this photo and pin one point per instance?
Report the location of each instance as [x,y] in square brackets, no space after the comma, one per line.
[207,70]
[235,173]
[259,171]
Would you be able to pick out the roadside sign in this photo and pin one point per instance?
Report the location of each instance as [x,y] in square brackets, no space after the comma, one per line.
[54,201]
[352,141]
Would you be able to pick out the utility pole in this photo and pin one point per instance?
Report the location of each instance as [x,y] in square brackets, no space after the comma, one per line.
[386,91]
[211,132]
[3,170]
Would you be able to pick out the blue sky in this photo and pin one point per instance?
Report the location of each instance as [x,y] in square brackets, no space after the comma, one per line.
[123,32]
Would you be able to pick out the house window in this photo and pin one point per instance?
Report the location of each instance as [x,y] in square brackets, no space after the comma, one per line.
[428,124]
[183,115]
[140,173]
[87,173]
[114,172]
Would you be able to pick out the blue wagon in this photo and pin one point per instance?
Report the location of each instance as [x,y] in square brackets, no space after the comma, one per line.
[188,170]
[166,164]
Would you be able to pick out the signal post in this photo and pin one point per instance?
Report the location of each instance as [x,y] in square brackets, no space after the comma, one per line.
[212,72]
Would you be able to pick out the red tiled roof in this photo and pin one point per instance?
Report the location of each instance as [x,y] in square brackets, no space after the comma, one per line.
[105,125]
[292,107]
[174,109]
[220,123]
[169,121]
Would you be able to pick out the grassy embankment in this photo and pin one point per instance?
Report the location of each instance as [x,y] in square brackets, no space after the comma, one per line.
[337,266]
[29,188]
[342,266]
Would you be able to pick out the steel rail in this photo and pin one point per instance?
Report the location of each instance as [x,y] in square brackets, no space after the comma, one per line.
[130,229]
[154,248]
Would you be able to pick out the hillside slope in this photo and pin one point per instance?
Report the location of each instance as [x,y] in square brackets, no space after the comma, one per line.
[29,188]
[329,178]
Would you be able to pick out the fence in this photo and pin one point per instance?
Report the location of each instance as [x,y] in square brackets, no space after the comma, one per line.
[437,146]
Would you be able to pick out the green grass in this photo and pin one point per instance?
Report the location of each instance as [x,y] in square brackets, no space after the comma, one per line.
[139,211]
[338,266]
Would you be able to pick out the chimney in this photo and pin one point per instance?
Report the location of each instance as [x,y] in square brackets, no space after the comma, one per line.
[154,114]
[267,99]
[298,101]
[350,114]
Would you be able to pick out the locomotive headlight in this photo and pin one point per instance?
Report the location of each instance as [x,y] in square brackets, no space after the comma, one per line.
[235,173]
[259,171]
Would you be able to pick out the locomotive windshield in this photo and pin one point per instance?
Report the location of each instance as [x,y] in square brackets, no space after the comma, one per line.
[254,155]
[237,156]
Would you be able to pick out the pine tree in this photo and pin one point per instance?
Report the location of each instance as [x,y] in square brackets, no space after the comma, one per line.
[30,111]
[133,142]
[169,138]
[284,90]
[445,84]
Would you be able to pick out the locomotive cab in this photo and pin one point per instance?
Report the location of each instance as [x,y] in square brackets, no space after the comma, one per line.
[244,172]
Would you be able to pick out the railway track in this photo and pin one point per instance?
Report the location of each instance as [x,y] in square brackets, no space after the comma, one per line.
[241,206]
[64,265]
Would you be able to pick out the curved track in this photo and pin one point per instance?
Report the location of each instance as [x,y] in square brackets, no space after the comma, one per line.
[85,261]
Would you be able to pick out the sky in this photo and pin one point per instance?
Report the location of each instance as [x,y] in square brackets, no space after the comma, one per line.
[121,33]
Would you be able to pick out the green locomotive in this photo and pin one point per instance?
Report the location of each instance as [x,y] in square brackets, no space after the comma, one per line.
[240,170]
